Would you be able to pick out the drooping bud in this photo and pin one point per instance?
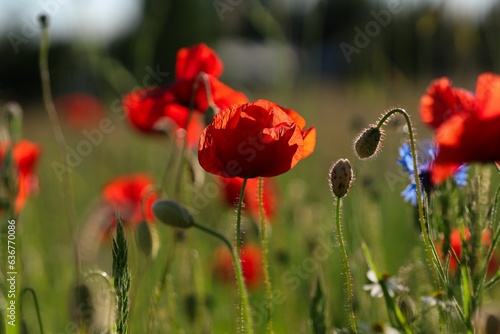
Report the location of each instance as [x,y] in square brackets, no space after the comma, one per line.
[173,213]
[147,239]
[368,142]
[407,307]
[340,178]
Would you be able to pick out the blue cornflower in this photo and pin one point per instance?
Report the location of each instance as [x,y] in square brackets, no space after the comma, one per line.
[427,156]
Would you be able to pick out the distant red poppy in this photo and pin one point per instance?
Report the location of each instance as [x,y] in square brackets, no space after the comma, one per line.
[196,59]
[472,131]
[442,101]
[80,110]
[132,197]
[254,139]
[148,109]
[456,245]
[232,188]
[251,263]
[26,155]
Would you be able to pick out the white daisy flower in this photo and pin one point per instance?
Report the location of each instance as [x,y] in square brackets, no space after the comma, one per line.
[391,284]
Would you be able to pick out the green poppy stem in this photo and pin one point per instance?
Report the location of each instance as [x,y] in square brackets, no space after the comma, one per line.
[265,257]
[245,315]
[59,137]
[238,216]
[347,270]
[425,232]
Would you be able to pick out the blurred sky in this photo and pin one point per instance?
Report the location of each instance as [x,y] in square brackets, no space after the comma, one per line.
[104,20]
[100,20]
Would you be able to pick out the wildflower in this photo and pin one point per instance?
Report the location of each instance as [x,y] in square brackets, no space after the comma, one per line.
[132,197]
[456,245]
[468,126]
[150,110]
[377,328]
[80,110]
[25,155]
[391,284]
[437,299]
[231,192]
[264,141]
[427,156]
[442,101]
[251,263]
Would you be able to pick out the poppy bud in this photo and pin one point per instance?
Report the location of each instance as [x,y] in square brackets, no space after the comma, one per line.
[173,213]
[44,20]
[367,143]
[340,178]
[407,307]
[147,239]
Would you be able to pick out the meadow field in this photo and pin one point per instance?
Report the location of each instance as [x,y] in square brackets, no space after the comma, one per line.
[59,218]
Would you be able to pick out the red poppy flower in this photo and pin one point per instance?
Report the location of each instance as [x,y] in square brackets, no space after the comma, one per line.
[148,109]
[196,59]
[132,197]
[254,139]
[251,263]
[456,245]
[442,101]
[232,189]
[472,133]
[25,155]
[80,110]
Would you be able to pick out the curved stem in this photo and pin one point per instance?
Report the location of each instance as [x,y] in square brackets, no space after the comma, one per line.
[423,227]
[245,314]
[347,269]
[265,257]
[37,307]
[59,137]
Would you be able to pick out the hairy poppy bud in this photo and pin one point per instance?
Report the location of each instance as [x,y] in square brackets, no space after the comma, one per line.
[368,142]
[340,178]
[173,213]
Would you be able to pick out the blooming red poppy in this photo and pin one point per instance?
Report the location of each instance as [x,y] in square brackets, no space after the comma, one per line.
[196,59]
[232,188]
[456,245]
[132,196]
[25,155]
[80,110]
[251,263]
[147,109]
[442,101]
[254,139]
[472,132]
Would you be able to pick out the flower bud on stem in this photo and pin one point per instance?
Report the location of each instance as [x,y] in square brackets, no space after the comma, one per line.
[340,182]
[432,257]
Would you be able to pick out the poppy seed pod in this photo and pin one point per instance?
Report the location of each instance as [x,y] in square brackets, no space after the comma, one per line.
[368,142]
[340,178]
